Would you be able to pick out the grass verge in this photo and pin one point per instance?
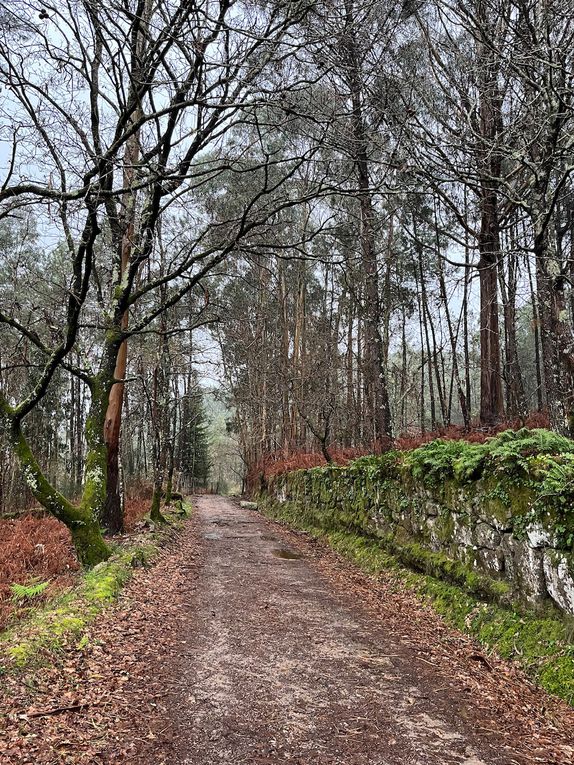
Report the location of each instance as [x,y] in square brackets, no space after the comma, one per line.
[62,621]
[541,644]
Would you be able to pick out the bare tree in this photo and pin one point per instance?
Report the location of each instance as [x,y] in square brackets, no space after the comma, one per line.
[129,105]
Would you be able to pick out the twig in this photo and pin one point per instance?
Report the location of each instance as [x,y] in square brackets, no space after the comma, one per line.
[59,710]
[482,659]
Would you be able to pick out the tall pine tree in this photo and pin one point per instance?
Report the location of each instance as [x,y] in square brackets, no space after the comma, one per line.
[194,454]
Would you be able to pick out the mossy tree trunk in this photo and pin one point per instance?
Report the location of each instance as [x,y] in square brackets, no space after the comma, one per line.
[169,485]
[82,519]
[170,447]
[155,511]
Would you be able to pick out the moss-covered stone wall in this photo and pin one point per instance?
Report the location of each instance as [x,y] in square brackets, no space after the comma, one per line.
[498,514]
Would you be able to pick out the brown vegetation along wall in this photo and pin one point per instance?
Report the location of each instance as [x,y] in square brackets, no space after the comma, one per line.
[496,517]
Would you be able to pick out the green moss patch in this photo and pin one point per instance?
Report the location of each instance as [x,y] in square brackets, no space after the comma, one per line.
[62,622]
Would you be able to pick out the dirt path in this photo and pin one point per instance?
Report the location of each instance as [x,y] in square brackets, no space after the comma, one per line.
[250,644]
[284,666]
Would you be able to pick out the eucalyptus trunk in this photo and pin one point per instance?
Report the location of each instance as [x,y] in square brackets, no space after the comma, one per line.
[491,394]
[377,405]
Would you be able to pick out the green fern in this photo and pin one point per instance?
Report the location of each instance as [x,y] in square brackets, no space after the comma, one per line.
[28,591]
[508,453]
[433,463]
[375,466]
[470,464]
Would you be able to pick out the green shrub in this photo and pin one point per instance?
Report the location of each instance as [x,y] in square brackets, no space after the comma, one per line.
[433,463]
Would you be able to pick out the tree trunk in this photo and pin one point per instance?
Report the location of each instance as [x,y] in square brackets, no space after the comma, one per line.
[376,390]
[464,311]
[536,332]
[114,508]
[546,273]
[515,400]
[489,127]
[557,337]
[452,337]
[491,395]
[82,519]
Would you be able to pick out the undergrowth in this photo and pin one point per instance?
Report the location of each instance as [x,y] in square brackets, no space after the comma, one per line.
[62,621]
[33,549]
[281,462]
[37,549]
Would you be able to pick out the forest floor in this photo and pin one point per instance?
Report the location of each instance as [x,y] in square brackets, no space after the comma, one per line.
[251,644]
[35,547]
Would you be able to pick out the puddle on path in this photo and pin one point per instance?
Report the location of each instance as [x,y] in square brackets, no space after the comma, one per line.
[286,554]
[268,538]
[212,535]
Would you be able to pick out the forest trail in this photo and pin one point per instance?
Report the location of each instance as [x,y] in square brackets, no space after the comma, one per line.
[283,665]
[251,644]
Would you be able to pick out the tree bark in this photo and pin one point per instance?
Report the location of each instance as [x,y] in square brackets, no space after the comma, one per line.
[112,517]
[491,395]
[515,399]
[374,373]
[557,337]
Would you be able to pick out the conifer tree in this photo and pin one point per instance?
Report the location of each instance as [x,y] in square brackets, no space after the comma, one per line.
[194,463]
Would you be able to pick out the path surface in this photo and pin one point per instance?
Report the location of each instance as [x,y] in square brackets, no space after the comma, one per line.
[282,666]
[249,644]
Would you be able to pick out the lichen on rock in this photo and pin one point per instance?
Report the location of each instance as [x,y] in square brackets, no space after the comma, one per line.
[504,508]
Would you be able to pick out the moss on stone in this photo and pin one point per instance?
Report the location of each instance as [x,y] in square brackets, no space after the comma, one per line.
[539,644]
[444,527]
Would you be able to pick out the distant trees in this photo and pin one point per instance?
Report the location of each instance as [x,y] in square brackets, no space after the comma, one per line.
[117,114]
[457,135]
[194,459]
[370,203]
[451,125]
[359,36]
[496,120]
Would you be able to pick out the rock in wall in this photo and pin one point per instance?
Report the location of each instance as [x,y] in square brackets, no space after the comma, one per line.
[491,524]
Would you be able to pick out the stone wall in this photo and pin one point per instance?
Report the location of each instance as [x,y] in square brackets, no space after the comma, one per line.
[495,525]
